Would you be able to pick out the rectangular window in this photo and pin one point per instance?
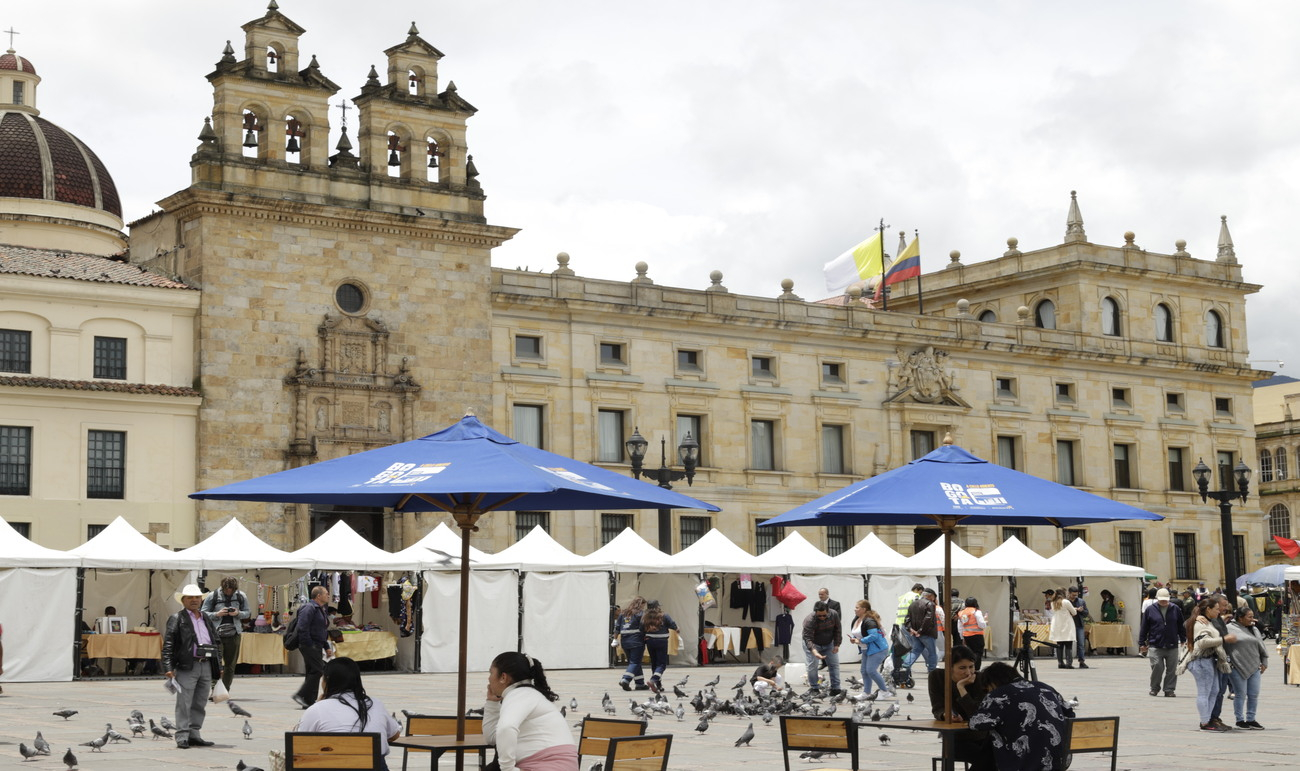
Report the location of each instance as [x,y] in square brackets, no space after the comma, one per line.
[693,529]
[1119,398]
[1123,465]
[609,436]
[832,373]
[762,442]
[693,425]
[1177,460]
[94,530]
[528,347]
[1065,463]
[22,528]
[612,353]
[525,521]
[1225,460]
[1185,557]
[1008,452]
[528,425]
[1019,533]
[832,449]
[1069,535]
[15,460]
[766,537]
[1004,387]
[15,350]
[922,443]
[613,524]
[839,539]
[1065,393]
[18,91]
[688,361]
[1174,402]
[1130,547]
[762,366]
[106,464]
[110,358]
[1222,407]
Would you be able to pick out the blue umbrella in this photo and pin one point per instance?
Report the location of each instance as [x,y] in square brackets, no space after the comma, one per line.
[467,470]
[1269,575]
[948,487]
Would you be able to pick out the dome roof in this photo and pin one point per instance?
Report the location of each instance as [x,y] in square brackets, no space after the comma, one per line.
[12,61]
[45,162]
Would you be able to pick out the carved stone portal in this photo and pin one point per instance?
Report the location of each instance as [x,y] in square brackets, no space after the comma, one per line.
[923,376]
[350,399]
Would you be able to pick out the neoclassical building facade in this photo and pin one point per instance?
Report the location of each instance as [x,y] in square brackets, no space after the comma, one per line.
[1277,404]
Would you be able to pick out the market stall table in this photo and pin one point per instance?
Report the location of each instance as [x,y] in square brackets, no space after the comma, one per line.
[123,646]
[1112,635]
[367,646]
[265,649]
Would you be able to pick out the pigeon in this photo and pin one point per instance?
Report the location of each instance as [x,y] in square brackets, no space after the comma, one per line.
[114,736]
[746,737]
[678,692]
[598,767]
[743,682]
[158,732]
[875,716]
[65,713]
[709,684]
[1073,703]
[26,753]
[136,716]
[69,759]
[235,708]
[910,698]
[248,730]
[138,729]
[680,712]
[884,739]
[703,726]
[813,754]
[240,766]
[573,703]
[40,745]
[890,711]
[167,724]
[682,683]
[96,745]
[767,718]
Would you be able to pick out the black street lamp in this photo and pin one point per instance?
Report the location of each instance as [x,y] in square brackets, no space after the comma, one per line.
[689,453]
[1238,483]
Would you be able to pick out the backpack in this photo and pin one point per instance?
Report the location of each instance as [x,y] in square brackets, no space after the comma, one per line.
[291,634]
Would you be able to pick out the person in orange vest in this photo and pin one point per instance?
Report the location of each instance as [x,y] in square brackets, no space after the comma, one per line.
[971,622]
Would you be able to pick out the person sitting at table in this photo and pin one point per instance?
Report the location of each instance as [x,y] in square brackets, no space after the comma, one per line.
[521,719]
[970,747]
[346,708]
[1025,721]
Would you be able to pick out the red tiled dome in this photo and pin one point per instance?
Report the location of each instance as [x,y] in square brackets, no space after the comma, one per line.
[41,160]
[12,61]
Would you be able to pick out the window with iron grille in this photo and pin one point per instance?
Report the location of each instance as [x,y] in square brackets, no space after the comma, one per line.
[1020,533]
[1185,557]
[1130,547]
[613,524]
[22,528]
[1070,535]
[1279,521]
[106,464]
[766,537]
[110,358]
[525,521]
[94,530]
[1265,466]
[1279,463]
[15,350]
[693,529]
[15,460]
[839,539]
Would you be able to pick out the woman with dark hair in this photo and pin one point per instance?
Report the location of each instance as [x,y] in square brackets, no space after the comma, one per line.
[1202,658]
[972,623]
[1249,657]
[346,708]
[972,747]
[521,719]
[867,631]
[654,627]
[1025,720]
[632,640]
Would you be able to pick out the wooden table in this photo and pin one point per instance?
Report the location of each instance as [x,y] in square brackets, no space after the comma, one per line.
[366,646]
[265,649]
[947,731]
[1113,635]
[123,646]
[437,745]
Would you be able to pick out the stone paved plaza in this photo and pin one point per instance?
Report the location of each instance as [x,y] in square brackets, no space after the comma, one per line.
[1155,733]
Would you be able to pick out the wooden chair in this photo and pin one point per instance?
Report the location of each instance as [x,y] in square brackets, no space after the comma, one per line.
[638,753]
[819,734]
[1095,734]
[346,752]
[441,725]
[597,731]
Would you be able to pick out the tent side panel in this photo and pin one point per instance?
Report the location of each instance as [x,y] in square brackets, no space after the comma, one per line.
[38,605]
[493,619]
[578,603]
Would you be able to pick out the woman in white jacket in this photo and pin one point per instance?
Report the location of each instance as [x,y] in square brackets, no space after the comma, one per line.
[1062,631]
[521,719]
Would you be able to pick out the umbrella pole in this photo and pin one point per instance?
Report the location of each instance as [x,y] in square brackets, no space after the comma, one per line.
[948,622]
[466,521]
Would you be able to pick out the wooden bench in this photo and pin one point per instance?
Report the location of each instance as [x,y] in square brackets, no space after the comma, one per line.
[820,734]
[342,752]
[441,725]
[1095,734]
[597,732]
[638,753]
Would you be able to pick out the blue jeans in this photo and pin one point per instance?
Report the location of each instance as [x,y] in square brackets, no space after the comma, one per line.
[634,652]
[1247,690]
[832,662]
[922,646]
[871,670]
[1207,686]
[1080,642]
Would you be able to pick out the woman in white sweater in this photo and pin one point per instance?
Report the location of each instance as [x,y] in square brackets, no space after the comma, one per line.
[521,719]
[1062,631]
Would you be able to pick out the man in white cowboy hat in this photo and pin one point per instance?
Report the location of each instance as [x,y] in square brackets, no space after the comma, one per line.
[189,655]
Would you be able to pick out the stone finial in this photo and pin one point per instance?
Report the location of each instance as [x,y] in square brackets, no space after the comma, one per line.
[715,279]
[1180,248]
[954,260]
[641,278]
[1074,222]
[563,260]
[1022,314]
[471,171]
[313,64]
[1012,251]
[787,285]
[272,6]
[228,54]
[372,77]
[902,243]
[947,438]
[1128,239]
[1226,252]
[451,86]
[413,31]
[963,308]
[344,159]
[855,293]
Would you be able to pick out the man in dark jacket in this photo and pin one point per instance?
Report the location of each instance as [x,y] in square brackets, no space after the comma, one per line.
[1161,637]
[313,639]
[924,628]
[189,658]
[821,644]
[1080,632]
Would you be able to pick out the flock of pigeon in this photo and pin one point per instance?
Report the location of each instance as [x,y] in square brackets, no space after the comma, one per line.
[136,724]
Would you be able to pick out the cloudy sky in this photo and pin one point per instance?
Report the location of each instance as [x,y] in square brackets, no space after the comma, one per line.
[762,138]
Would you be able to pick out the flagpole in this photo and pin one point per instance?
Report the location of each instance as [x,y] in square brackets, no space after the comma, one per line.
[884,295]
[920,302]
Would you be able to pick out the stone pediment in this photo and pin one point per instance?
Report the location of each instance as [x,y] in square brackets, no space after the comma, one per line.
[923,377]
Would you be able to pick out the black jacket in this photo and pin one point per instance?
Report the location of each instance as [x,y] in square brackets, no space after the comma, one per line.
[179,641]
[313,626]
[1157,631]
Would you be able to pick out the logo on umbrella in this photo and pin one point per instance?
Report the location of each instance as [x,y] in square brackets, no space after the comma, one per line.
[405,474]
[577,479]
[973,495]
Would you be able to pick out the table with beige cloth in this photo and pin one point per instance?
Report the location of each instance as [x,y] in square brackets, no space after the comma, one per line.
[367,646]
[1113,635]
[265,649]
[123,646]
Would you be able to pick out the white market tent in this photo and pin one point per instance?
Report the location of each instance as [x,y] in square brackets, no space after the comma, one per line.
[1080,561]
[16,551]
[234,547]
[38,591]
[439,548]
[341,548]
[970,576]
[811,569]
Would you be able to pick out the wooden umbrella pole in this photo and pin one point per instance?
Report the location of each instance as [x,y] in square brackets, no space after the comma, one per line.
[947,640]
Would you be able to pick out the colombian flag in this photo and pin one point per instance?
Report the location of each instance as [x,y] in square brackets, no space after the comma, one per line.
[1289,547]
[908,265]
[863,261]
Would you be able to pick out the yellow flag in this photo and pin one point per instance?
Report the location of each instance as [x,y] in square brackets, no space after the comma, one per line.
[861,262]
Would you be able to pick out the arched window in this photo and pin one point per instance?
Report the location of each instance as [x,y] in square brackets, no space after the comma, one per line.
[397,160]
[415,81]
[1265,466]
[252,143]
[1045,315]
[1110,321]
[1279,521]
[295,135]
[988,317]
[1213,329]
[435,156]
[1279,464]
[1164,323]
[272,59]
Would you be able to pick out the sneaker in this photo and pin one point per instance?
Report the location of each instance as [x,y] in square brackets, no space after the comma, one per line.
[1169,694]
[1219,722]
[625,685]
[1155,692]
[655,687]
[1254,726]
[1083,665]
[1243,725]
[642,687]
[1215,728]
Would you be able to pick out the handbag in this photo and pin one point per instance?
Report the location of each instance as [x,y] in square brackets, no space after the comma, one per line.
[901,639]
